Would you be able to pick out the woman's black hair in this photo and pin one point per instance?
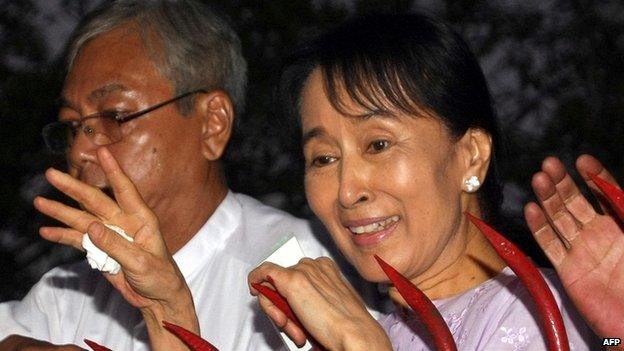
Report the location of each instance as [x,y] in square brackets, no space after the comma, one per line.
[410,63]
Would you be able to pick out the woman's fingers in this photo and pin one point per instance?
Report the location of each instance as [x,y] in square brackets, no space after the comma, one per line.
[564,210]
[587,165]
[283,279]
[554,208]
[570,194]
[326,306]
[125,191]
[92,198]
[544,234]
[282,322]
[260,274]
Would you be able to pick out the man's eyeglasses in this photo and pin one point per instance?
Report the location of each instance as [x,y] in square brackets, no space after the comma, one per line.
[102,128]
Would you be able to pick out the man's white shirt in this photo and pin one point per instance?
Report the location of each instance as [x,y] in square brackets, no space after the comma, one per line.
[74,302]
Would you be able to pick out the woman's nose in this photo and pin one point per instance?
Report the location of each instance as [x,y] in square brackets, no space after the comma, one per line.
[354,186]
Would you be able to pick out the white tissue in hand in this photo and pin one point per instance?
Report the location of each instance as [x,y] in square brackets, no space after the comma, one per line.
[99,259]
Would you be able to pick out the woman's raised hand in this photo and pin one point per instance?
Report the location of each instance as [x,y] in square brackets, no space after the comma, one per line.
[327,306]
[149,278]
[585,247]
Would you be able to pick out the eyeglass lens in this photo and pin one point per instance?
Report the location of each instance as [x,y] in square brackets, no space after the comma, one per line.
[101,130]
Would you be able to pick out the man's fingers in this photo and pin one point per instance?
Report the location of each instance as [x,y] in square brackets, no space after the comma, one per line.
[72,217]
[125,191]
[117,247]
[554,208]
[544,234]
[92,198]
[65,236]
[570,194]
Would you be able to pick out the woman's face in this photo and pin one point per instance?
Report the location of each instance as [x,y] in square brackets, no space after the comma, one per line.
[383,184]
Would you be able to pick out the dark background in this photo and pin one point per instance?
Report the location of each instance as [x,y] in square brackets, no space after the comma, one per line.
[555,69]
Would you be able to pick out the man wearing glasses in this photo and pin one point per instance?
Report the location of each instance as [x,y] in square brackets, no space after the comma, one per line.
[154,86]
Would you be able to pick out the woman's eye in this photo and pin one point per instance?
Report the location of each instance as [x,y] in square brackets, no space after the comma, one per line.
[378,146]
[321,161]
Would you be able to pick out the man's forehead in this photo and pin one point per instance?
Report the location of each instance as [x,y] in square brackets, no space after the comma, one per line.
[97,94]
[102,92]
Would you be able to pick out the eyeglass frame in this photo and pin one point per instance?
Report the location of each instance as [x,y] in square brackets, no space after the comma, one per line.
[118,118]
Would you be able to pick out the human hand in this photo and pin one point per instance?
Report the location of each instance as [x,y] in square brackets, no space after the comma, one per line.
[149,279]
[325,303]
[22,343]
[586,248]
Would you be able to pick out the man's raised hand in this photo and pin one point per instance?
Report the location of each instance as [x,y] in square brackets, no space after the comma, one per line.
[149,278]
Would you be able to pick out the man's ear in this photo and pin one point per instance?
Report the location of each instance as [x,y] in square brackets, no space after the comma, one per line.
[217,113]
[476,145]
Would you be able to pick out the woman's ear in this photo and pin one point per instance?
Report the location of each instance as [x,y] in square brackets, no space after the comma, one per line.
[217,113]
[477,146]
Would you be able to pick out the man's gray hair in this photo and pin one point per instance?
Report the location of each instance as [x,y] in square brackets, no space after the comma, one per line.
[190,44]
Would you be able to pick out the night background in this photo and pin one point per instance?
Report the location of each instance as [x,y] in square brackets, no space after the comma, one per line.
[555,70]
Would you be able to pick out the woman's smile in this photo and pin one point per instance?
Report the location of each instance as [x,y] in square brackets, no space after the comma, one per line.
[369,232]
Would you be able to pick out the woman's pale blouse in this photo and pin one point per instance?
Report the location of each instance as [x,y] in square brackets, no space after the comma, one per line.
[496,315]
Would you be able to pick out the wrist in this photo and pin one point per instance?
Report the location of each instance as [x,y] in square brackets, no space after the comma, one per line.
[160,338]
[180,312]
[176,307]
[372,337]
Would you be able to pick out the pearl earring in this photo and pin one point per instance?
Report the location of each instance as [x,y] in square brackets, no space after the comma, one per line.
[472,184]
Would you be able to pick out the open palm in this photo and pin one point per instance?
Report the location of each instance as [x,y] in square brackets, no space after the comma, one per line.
[585,247]
[149,278]
[146,254]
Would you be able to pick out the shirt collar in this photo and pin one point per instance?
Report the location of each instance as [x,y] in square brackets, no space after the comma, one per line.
[211,237]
